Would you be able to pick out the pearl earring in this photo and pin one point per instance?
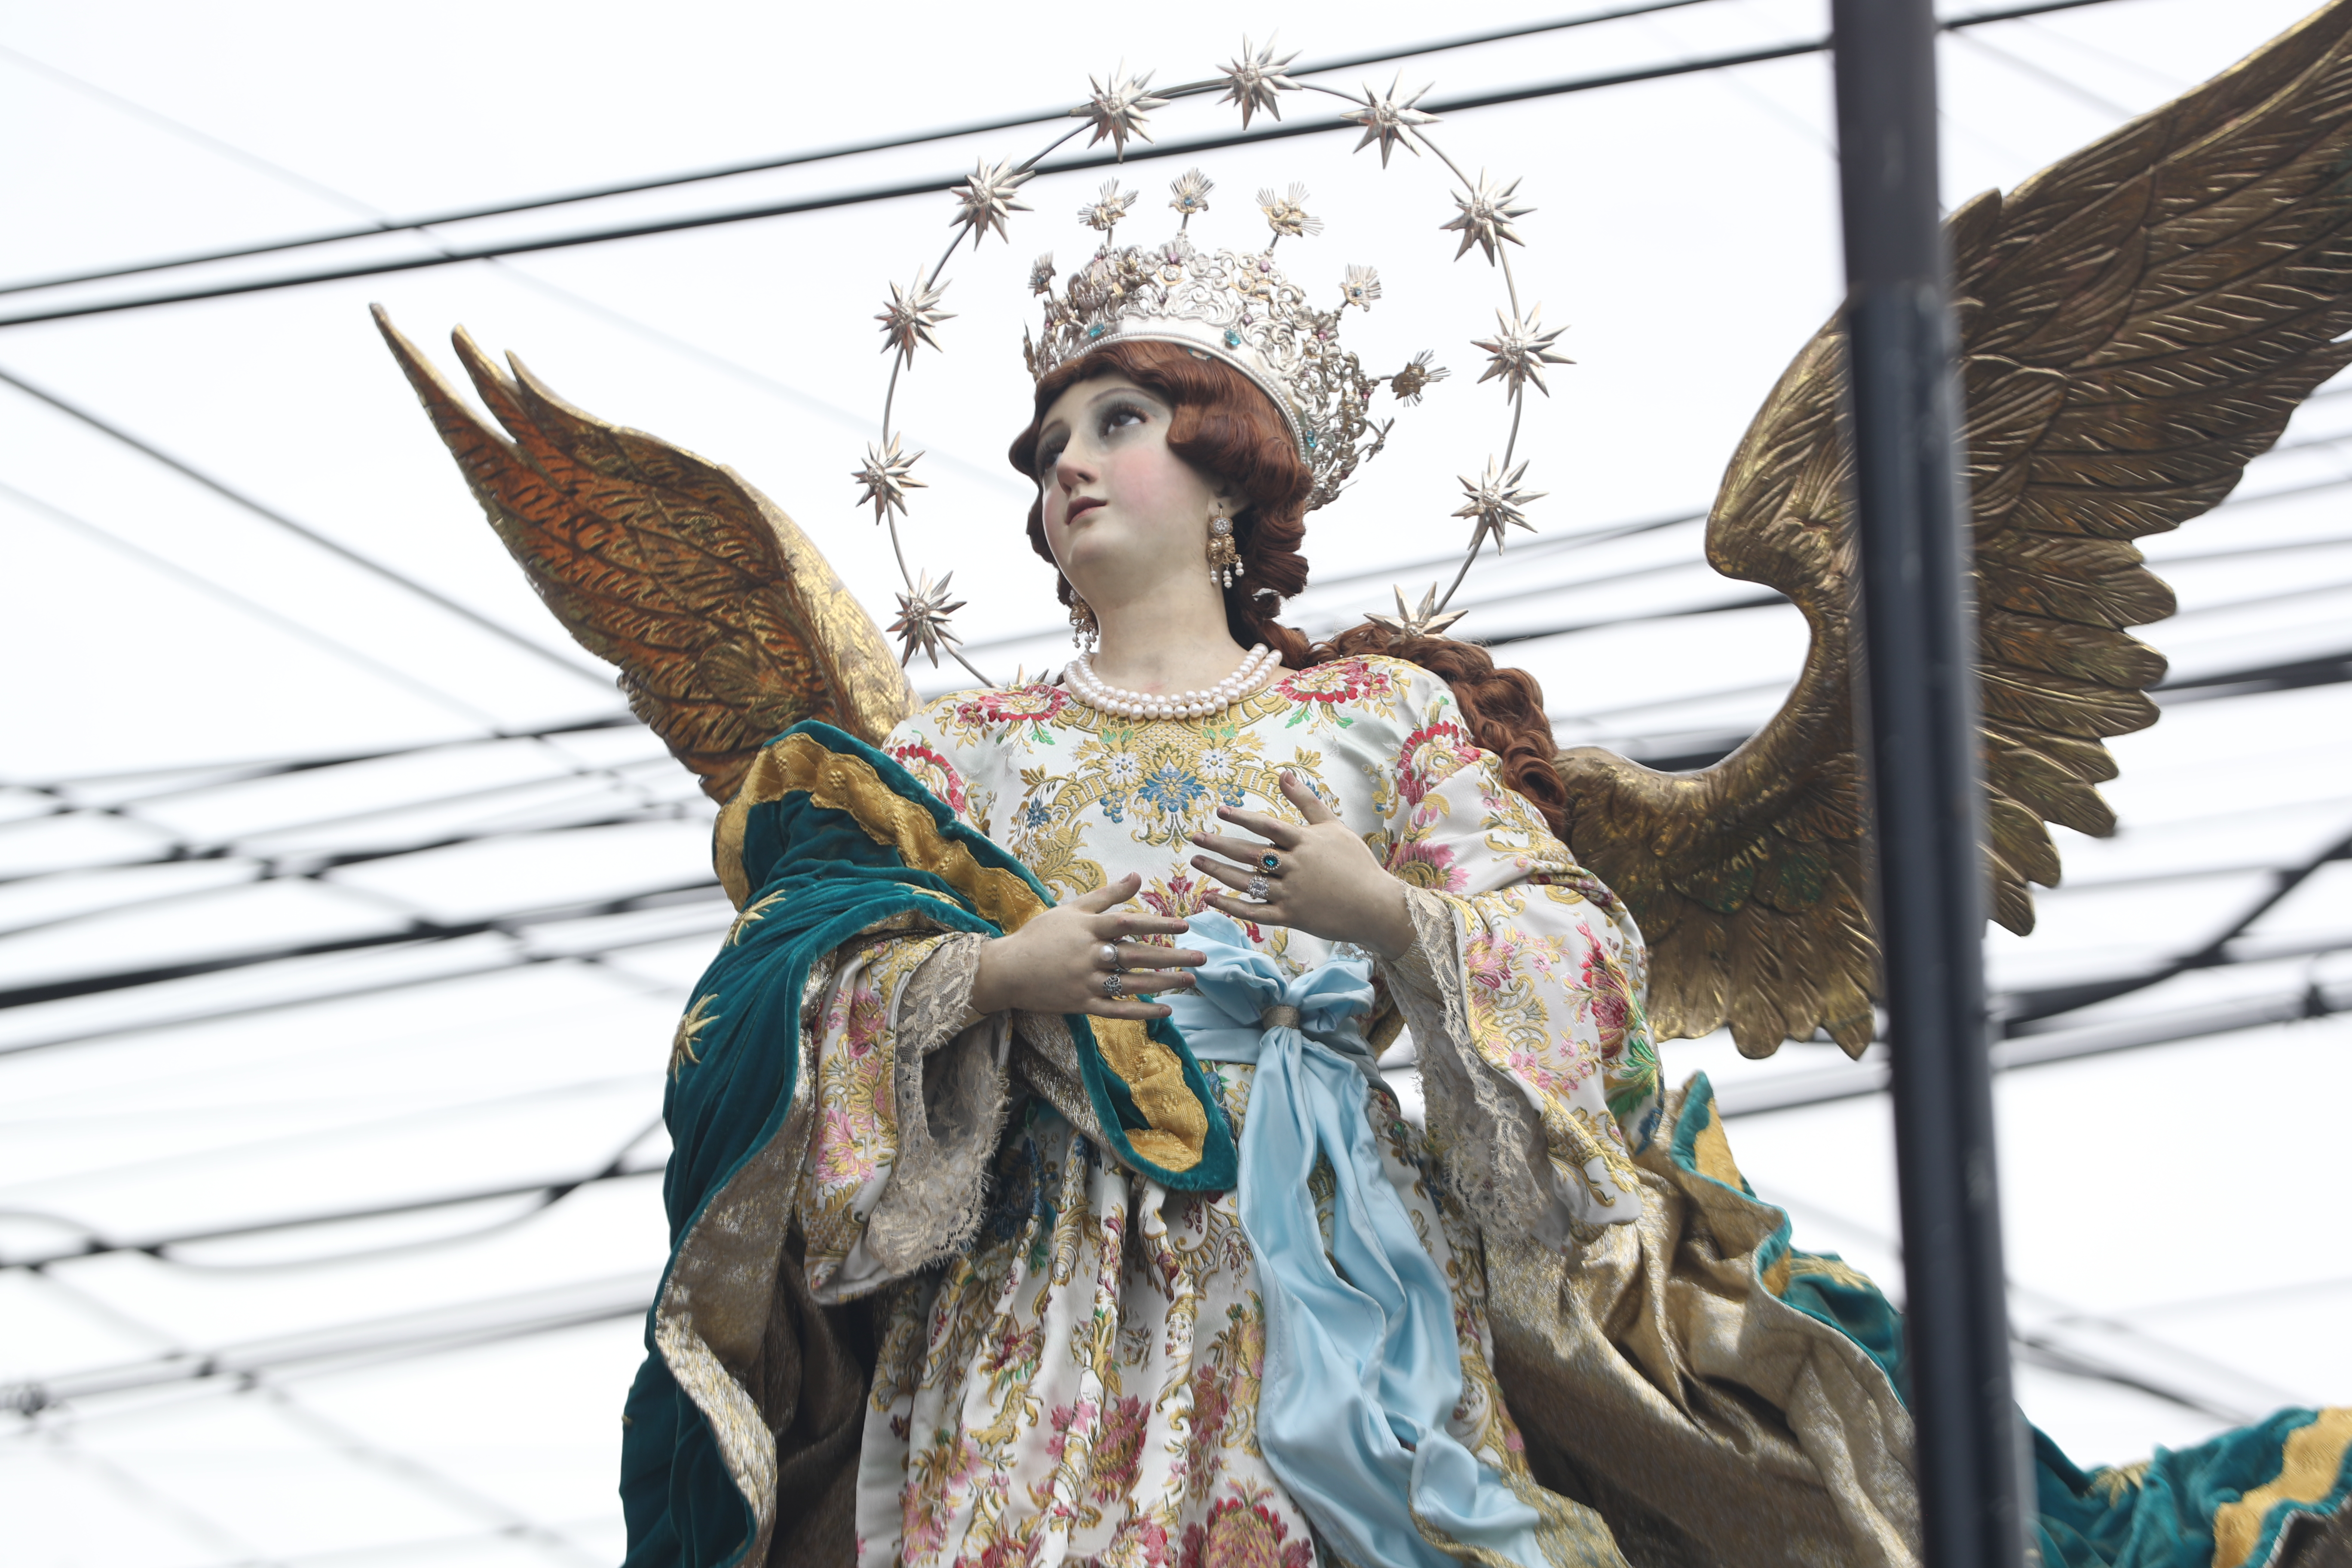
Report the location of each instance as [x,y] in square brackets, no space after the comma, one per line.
[1084,630]
[1225,560]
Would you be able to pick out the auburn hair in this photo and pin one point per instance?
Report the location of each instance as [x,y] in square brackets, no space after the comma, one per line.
[1225,426]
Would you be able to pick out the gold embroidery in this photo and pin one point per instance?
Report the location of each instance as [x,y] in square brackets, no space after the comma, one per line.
[689,1029]
[1179,1123]
[2312,1460]
[751,916]
[1154,1074]
[847,783]
[2115,1480]
[1836,1271]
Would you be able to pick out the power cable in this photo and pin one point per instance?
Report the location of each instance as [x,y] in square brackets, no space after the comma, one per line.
[311,870]
[1796,1090]
[1280,131]
[504,963]
[238,602]
[200,1526]
[421,932]
[509,1524]
[547,1193]
[351,1346]
[303,531]
[381,224]
[2064,85]
[1853,1080]
[239,843]
[2041,1349]
[253,769]
[417,933]
[2024,1007]
[384,224]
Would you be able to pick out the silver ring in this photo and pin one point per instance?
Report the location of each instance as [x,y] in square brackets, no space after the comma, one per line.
[1258,889]
[1114,987]
[1108,955]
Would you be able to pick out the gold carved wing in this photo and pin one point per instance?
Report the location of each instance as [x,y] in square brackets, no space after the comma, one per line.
[2137,322]
[728,624]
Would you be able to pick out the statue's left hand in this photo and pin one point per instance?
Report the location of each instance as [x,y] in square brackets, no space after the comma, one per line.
[1324,882]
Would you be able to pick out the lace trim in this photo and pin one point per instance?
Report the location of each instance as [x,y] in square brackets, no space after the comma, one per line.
[1047,1061]
[1488,1139]
[949,1085]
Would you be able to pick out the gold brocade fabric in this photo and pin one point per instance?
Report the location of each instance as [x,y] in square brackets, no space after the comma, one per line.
[840,783]
[2312,1458]
[1654,1376]
[1177,1124]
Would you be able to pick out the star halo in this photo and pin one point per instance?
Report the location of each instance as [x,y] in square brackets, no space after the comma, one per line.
[1117,109]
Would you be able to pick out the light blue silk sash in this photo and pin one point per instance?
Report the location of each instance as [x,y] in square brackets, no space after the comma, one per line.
[1362,1368]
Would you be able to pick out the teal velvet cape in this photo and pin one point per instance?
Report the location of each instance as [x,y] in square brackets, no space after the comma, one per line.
[812,866]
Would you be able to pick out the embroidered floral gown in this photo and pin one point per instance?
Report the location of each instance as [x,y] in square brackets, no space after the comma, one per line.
[1071,1356]
[1079,1377]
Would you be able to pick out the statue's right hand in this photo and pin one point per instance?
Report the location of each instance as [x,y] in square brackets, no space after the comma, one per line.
[1057,963]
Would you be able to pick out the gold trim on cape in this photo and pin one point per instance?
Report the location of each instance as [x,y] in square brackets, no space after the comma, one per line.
[850,784]
[2309,1463]
[1154,1076]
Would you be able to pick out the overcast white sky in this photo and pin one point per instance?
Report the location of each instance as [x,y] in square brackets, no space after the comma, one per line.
[2170,1208]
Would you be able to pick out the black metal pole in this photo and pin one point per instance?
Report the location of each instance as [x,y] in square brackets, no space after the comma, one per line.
[1919,711]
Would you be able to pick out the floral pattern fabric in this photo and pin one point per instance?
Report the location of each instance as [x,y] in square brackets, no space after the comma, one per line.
[1080,1383]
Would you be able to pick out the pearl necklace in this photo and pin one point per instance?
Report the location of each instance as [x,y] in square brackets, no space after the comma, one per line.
[1128,704]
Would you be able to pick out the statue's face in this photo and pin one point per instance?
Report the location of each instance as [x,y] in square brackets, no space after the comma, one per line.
[1123,511]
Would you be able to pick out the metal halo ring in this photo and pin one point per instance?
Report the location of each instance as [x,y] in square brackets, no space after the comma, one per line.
[987,199]
[1270,863]
[1114,987]
[1107,956]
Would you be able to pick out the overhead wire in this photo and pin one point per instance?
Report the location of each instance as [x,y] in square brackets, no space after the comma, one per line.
[33,1400]
[178,1163]
[1844,1082]
[2039,1347]
[185,847]
[940,185]
[96,1243]
[564,1323]
[2078,1041]
[417,933]
[304,532]
[247,770]
[348,1346]
[162,566]
[505,964]
[382,224]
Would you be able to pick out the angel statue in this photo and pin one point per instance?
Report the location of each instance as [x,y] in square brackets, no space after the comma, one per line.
[1035,1197]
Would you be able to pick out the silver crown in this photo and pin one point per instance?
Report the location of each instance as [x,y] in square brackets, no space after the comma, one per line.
[1238,309]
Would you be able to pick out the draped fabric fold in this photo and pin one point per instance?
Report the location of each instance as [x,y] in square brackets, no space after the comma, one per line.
[1362,1360]
[829,843]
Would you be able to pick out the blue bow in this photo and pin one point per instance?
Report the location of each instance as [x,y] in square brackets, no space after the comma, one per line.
[1362,1367]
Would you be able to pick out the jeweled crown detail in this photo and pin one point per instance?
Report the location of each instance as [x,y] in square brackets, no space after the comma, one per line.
[1238,307]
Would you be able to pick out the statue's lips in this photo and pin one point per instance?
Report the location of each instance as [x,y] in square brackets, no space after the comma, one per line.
[1080,507]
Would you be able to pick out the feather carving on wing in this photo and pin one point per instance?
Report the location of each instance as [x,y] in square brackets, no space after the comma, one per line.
[728,624]
[2136,323]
